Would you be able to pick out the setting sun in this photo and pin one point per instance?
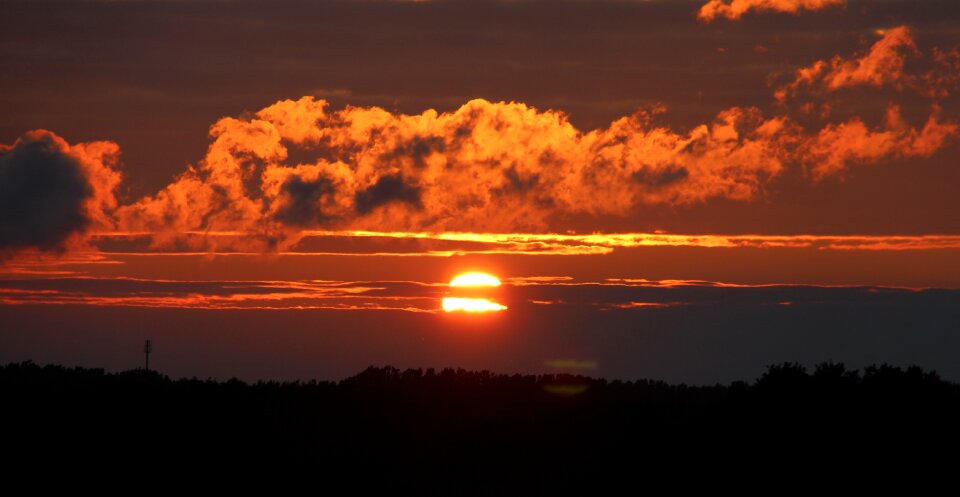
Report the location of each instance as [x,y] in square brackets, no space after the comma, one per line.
[471,305]
[475,279]
[472,280]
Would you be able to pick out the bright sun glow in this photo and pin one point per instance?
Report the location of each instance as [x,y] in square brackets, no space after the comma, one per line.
[475,279]
[471,305]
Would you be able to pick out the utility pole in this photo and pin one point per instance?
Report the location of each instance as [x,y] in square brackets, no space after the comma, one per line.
[147,348]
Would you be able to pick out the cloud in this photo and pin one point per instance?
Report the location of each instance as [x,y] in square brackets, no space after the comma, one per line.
[735,9]
[933,76]
[492,167]
[426,297]
[52,192]
[184,294]
[944,77]
[303,198]
[488,166]
[881,65]
[390,188]
[838,145]
[213,195]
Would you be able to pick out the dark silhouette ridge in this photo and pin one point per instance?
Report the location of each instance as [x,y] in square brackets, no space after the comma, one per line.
[471,431]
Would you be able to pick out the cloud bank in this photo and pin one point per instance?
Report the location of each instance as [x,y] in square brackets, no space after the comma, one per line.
[488,166]
[492,167]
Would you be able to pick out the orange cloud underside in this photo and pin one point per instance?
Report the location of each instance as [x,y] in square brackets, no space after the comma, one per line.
[735,9]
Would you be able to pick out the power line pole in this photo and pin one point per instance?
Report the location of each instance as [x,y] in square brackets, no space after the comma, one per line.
[147,348]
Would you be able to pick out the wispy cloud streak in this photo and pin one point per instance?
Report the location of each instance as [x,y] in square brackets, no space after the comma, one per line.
[428,297]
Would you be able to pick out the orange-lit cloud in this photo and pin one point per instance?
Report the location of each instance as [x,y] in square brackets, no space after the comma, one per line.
[643,305]
[837,145]
[935,76]
[881,65]
[831,150]
[487,166]
[598,243]
[52,193]
[735,9]
[297,168]
[944,77]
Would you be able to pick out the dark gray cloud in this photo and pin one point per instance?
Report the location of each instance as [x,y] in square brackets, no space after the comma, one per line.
[387,189]
[43,191]
[303,199]
[416,150]
[660,178]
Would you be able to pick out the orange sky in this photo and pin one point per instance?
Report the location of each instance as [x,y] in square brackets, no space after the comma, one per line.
[606,158]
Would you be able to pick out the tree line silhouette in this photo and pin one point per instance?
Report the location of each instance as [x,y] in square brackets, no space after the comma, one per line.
[445,426]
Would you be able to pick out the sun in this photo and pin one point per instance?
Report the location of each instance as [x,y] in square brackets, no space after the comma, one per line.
[472,304]
[475,279]
[451,304]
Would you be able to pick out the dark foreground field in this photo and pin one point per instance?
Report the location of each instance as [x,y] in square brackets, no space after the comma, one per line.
[457,431]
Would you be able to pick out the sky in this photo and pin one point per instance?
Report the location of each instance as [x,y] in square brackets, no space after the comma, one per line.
[686,190]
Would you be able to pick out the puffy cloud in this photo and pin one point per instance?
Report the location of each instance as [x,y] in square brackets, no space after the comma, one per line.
[488,167]
[484,167]
[492,167]
[52,192]
[735,9]
[934,75]
[831,150]
[834,148]
[309,194]
[213,195]
[881,65]
[390,188]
